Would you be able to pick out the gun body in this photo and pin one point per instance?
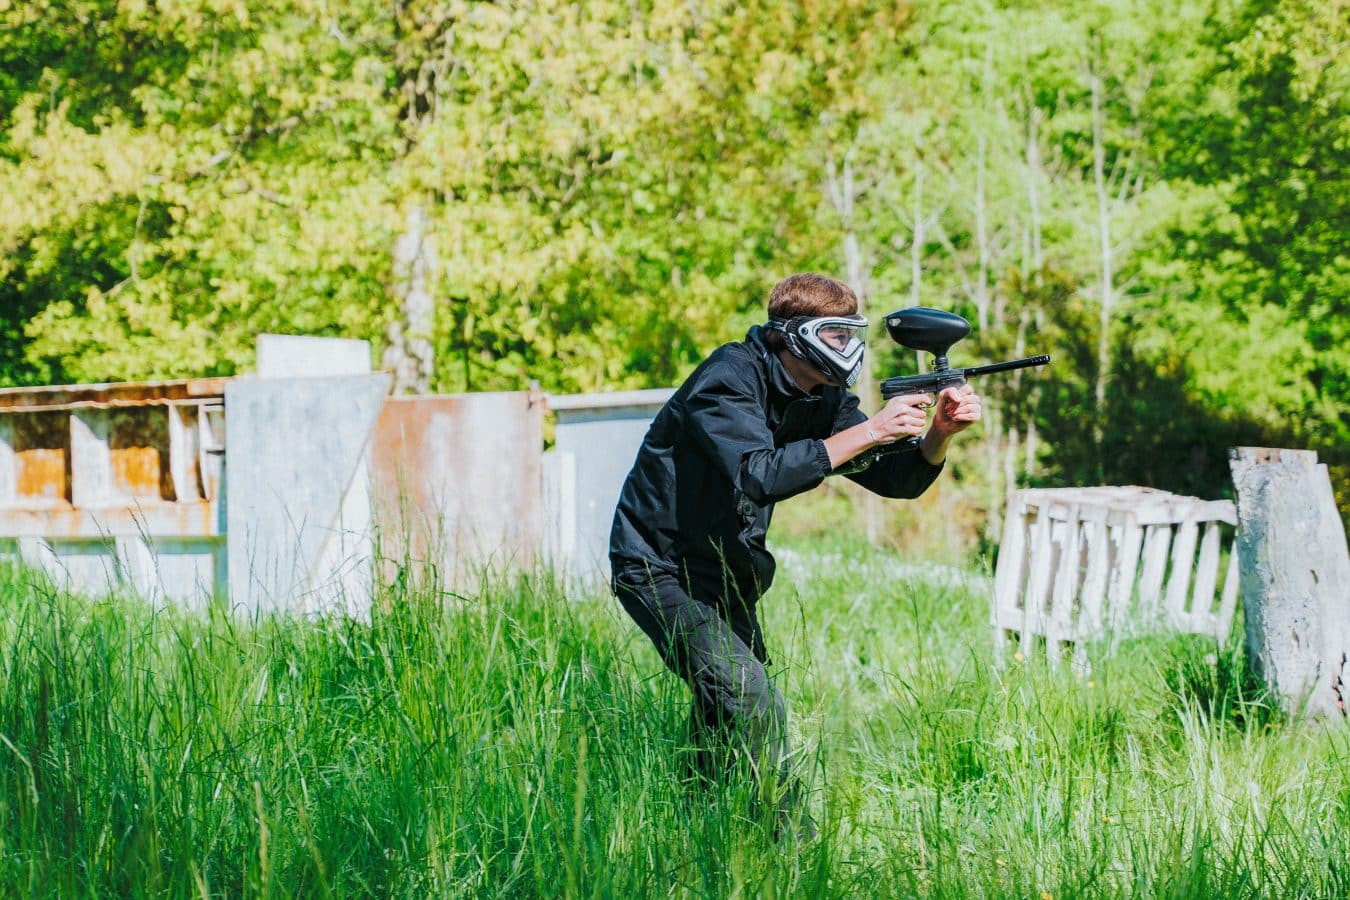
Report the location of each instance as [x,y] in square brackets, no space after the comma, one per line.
[930,383]
[932,331]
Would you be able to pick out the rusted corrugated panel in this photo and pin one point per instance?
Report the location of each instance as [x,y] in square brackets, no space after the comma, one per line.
[138,445]
[456,479]
[104,396]
[41,456]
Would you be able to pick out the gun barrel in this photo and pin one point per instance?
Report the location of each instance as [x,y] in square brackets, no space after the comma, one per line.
[1024,363]
[932,382]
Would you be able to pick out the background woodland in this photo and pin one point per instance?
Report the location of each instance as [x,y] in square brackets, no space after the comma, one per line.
[595,195]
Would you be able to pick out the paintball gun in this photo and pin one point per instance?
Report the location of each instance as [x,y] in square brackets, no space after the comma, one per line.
[932,331]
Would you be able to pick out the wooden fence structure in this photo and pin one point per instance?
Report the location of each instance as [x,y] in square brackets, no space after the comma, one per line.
[1079,565]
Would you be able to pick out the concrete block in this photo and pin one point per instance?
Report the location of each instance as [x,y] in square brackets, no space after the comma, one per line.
[1295,570]
[560,509]
[7,460]
[301,356]
[603,432]
[294,449]
[90,460]
[188,572]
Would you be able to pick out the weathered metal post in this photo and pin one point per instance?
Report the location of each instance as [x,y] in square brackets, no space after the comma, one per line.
[1295,578]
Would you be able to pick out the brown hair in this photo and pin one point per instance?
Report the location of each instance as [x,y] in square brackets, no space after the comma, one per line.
[810,294]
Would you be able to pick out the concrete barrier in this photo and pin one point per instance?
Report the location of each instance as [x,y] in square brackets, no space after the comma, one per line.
[279,491]
[597,437]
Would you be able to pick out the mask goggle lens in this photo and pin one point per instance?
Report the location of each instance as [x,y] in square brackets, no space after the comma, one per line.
[840,336]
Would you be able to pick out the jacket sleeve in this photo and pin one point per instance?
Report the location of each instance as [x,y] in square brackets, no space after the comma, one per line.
[902,475]
[726,415]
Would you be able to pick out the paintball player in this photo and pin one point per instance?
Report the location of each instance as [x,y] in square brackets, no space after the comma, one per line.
[757,422]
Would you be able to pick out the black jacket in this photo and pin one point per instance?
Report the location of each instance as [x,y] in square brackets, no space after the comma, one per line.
[738,436]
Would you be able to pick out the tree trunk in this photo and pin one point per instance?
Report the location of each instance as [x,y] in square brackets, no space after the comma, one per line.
[1033,184]
[1033,264]
[918,237]
[917,240]
[1107,288]
[981,211]
[409,353]
[1295,577]
[1032,437]
[842,193]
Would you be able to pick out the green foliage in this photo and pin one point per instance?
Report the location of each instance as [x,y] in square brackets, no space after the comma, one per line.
[223,188]
[609,189]
[1263,141]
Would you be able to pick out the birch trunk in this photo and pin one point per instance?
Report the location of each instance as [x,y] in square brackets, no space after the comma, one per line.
[1033,184]
[408,350]
[1107,287]
[1033,265]
[981,203]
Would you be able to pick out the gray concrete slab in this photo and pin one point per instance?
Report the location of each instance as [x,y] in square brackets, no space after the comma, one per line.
[294,447]
[302,356]
[602,432]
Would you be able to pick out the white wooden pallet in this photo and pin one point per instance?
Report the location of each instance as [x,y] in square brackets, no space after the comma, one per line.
[1085,564]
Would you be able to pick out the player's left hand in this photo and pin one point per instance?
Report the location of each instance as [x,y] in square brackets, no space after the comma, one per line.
[957,409]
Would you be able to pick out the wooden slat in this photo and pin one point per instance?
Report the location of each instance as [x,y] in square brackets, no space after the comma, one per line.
[1009,575]
[1183,566]
[1038,581]
[1202,616]
[1121,591]
[1090,624]
[1064,591]
[1156,541]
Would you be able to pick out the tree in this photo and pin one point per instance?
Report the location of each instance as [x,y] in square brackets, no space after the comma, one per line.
[221,188]
[1258,255]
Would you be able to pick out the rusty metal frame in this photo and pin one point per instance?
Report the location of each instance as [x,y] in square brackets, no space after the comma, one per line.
[106,396]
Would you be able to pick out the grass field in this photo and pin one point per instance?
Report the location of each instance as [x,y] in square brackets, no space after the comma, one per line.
[524,742]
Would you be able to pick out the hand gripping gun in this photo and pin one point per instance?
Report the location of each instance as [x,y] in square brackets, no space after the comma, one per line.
[933,331]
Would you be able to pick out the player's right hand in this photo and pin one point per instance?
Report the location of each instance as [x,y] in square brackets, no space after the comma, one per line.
[901,417]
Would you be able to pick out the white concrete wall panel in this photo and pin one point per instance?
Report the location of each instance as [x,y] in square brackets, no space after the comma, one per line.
[301,356]
[8,469]
[603,432]
[294,447]
[190,573]
[560,509]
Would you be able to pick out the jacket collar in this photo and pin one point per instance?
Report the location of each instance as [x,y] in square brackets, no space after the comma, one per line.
[781,383]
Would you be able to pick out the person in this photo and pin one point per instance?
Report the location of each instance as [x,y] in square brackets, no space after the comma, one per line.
[759,421]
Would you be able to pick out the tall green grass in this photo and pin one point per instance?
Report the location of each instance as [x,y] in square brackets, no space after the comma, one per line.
[523,741]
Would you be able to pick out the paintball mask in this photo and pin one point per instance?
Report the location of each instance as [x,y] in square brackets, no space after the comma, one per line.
[833,344]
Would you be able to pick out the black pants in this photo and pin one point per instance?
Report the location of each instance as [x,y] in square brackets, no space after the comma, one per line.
[737,711]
